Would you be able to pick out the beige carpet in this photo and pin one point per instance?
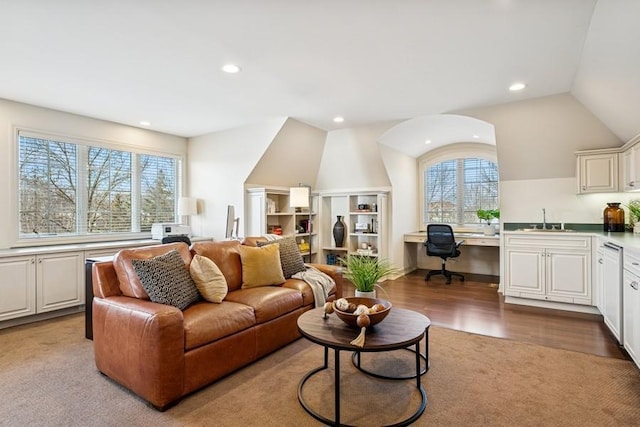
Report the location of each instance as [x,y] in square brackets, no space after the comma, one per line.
[47,378]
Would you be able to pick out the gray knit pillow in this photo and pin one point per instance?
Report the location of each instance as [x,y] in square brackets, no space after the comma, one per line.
[290,257]
[166,280]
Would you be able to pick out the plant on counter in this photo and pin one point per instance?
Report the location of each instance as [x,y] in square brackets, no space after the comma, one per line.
[365,271]
[488,214]
[634,210]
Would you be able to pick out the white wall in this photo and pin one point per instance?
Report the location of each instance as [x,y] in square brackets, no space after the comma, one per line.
[352,160]
[219,164]
[16,115]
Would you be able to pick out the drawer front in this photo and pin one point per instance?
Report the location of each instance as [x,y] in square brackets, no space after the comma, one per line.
[632,261]
[548,241]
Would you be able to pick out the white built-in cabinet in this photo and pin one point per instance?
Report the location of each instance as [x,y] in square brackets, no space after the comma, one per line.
[548,267]
[630,176]
[365,215]
[631,304]
[598,172]
[40,283]
[268,211]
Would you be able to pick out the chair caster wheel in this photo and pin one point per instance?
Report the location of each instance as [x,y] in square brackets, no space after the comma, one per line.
[462,279]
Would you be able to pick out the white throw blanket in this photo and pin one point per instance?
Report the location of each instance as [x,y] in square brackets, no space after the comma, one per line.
[319,282]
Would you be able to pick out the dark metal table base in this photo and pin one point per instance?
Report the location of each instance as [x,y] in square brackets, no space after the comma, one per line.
[336,421]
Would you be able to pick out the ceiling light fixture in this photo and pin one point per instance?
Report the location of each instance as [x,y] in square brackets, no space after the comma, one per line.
[475,137]
[338,119]
[517,86]
[428,141]
[145,123]
[230,68]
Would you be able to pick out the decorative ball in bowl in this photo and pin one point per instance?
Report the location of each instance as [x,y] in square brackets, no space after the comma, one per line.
[377,309]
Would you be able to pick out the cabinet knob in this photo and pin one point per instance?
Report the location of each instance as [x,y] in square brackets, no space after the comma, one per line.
[634,285]
[632,184]
[600,261]
[584,188]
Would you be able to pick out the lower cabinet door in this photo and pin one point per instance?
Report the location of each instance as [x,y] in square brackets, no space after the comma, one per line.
[631,316]
[569,276]
[60,281]
[17,287]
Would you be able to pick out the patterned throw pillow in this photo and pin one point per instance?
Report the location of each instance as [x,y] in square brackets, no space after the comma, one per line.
[260,266]
[290,257]
[209,279]
[166,280]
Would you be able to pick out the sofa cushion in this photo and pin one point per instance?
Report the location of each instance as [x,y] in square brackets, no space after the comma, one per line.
[205,322]
[128,279]
[226,255]
[209,279]
[290,258]
[261,266]
[166,280]
[268,302]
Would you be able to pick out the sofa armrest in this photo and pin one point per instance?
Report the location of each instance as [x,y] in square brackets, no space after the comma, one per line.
[140,344]
[335,272]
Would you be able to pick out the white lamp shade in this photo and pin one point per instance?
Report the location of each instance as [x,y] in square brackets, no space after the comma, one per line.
[187,206]
[299,197]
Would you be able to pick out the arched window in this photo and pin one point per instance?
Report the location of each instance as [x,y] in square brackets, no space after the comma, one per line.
[456,181]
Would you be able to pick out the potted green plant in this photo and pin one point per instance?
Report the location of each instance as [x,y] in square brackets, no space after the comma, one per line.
[634,215]
[488,215]
[365,272]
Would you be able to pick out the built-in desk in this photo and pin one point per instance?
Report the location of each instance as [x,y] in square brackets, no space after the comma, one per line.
[470,239]
[479,254]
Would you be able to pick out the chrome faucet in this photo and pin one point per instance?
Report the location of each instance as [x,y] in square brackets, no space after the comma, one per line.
[544,219]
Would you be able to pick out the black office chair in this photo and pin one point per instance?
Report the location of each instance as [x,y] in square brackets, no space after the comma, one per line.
[174,239]
[441,243]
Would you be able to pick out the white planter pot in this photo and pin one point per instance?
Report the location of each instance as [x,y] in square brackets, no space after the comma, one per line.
[489,230]
[360,294]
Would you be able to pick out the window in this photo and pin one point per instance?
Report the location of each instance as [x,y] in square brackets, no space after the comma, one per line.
[455,188]
[81,189]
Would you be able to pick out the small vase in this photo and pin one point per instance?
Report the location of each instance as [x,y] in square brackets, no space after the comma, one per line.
[363,294]
[338,232]
[489,230]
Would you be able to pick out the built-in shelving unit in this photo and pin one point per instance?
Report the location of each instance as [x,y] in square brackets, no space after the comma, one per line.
[268,212]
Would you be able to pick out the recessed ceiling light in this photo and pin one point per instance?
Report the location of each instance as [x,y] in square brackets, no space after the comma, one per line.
[338,119]
[230,68]
[517,86]
[428,141]
[145,123]
[476,136]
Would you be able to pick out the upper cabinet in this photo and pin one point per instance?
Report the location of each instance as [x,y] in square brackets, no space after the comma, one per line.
[631,168]
[598,171]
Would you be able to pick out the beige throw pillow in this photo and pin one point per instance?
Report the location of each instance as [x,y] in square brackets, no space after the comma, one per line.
[261,266]
[210,281]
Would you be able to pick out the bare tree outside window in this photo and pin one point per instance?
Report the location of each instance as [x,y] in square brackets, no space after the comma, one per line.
[52,173]
[456,189]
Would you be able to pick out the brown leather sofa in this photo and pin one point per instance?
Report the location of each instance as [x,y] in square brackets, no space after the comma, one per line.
[162,353]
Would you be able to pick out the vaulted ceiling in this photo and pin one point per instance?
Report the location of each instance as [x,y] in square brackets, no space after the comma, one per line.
[365,60]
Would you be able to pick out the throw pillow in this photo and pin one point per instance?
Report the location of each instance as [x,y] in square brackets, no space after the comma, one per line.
[290,257]
[209,279]
[166,280]
[260,266]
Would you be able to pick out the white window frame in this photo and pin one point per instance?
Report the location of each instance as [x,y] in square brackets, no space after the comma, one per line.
[94,142]
[450,152]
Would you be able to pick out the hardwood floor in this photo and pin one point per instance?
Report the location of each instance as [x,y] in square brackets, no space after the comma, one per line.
[477,307]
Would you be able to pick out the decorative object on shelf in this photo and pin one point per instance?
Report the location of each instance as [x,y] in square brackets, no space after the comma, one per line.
[634,215]
[613,216]
[338,232]
[300,197]
[366,271]
[488,215]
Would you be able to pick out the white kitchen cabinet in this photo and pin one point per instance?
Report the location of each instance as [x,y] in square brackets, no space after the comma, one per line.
[18,287]
[550,268]
[630,175]
[598,279]
[59,281]
[598,172]
[631,305]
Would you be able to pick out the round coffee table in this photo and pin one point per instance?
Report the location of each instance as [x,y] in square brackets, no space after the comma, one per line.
[401,329]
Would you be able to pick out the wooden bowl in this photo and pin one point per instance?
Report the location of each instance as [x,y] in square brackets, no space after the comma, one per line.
[351,319]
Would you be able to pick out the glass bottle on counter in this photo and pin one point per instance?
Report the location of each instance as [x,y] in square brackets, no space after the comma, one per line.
[613,216]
